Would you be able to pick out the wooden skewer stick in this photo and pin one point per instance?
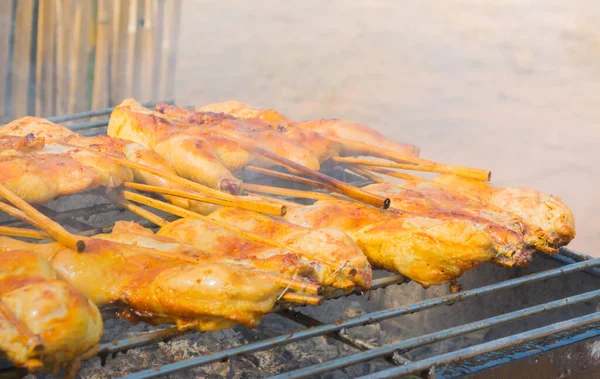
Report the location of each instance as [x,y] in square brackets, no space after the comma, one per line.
[56,231]
[338,185]
[365,174]
[300,298]
[365,162]
[420,163]
[193,215]
[288,192]
[184,194]
[156,220]
[12,211]
[395,174]
[252,205]
[288,204]
[22,232]
[290,177]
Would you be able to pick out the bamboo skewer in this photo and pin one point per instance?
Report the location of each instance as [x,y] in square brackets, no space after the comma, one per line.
[474,173]
[155,219]
[252,205]
[170,208]
[443,169]
[395,174]
[365,174]
[290,177]
[14,212]
[301,298]
[288,192]
[56,231]
[337,185]
[183,194]
[22,232]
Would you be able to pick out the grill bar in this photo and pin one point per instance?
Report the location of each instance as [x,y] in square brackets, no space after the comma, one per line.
[487,347]
[99,112]
[439,336]
[362,320]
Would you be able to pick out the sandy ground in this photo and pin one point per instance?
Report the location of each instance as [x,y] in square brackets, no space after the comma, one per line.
[511,86]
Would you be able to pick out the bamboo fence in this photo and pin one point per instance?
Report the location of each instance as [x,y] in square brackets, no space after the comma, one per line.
[66,56]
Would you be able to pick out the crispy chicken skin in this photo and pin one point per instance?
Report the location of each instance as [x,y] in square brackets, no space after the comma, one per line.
[327,243]
[426,250]
[350,130]
[45,324]
[35,163]
[207,296]
[509,244]
[544,219]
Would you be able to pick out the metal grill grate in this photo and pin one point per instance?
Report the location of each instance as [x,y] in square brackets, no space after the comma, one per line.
[575,275]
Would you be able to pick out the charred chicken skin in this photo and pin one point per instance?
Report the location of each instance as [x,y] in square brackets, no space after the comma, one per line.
[45,324]
[426,250]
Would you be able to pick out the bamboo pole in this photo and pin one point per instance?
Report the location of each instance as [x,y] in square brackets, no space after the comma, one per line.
[170,36]
[365,174]
[119,39]
[6,9]
[301,298]
[64,12]
[22,57]
[56,231]
[395,174]
[130,51]
[156,220]
[16,213]
[78,57]
[45,67]
[101,86]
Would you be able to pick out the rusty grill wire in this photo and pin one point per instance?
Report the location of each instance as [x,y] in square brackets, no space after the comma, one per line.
[568,262]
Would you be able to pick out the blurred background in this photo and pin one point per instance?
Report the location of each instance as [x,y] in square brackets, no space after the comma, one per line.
[510,86]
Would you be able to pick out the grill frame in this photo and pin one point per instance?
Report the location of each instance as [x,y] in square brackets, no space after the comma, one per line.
[563,333]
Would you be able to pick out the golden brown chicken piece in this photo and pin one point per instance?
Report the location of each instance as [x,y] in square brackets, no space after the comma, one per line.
[426,250]
[202,153]
[207,296]
[281,137]
[194,238]
[330,244]
[43,168]
[510,246]
[349,130]
[45,324]
[545,220]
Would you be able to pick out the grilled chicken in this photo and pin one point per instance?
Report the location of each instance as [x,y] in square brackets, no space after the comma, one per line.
[281,137]
[349,130]
[200,151]
[544,219]
[426,250]
[45,324]
[322,245]
[206,296]
[37,164]
[509,244]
